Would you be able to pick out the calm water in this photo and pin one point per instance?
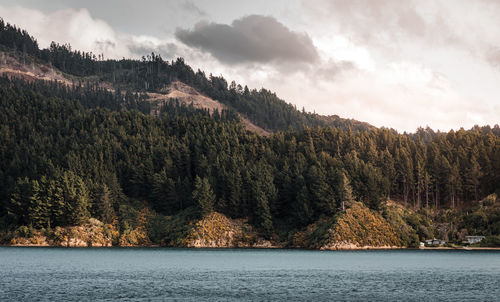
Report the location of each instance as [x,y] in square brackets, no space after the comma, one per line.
[42,274]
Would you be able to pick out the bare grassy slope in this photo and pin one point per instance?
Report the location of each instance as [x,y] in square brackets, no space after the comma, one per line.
[29,70]
[187,95]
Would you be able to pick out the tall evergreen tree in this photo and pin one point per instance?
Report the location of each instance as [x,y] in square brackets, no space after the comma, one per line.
[203,195]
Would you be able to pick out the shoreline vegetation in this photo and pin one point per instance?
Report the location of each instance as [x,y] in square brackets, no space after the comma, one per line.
[358,228]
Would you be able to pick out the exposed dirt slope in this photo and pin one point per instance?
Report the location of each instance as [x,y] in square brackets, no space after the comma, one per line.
[29,71]
[188,95]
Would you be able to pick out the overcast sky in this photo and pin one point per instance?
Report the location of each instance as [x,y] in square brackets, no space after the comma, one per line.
[394,63]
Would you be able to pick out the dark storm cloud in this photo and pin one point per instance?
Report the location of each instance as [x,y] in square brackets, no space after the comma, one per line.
[252,38]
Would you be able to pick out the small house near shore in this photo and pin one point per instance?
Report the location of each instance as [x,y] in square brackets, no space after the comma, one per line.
[474,239]
[435,242]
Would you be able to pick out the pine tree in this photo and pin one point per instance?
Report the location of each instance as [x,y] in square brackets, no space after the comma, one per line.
[420,180]
[454,183]
[76,198]
[262,214]
[38,212]
[18,208]
[321,192]
[389,171]
[203,195]
[55,191]
[301,209]
[473,177]
[345,191]
[107,211]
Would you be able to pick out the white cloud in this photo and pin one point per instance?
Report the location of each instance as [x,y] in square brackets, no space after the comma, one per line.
[76,27]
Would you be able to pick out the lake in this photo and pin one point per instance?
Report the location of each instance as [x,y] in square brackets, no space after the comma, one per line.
[55,274]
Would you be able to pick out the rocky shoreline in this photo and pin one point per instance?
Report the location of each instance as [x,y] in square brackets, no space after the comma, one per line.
[82,245]
[357,229]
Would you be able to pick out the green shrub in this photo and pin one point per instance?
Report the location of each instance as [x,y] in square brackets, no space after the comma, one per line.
[24,231]
[491,241]
[157,228]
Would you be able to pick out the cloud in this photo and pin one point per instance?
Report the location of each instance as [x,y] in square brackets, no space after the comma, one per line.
[401,96]
[73,26]
[191,7]
[378,21]
[83,32]
[331,70]
[251,39]
[393,26]
[144,45]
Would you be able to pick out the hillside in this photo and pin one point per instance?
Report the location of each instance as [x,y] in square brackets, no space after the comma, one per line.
[152,74]
[149,152]
[12,68]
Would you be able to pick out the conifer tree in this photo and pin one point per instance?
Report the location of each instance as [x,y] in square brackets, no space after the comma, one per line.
[345,191]
[107,210]
[203,195]
[473,177]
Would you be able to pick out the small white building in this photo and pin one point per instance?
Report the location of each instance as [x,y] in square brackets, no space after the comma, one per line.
[435,242]
[474,239]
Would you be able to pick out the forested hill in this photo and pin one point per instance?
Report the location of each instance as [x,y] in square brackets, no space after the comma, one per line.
[153,74]
[71,154]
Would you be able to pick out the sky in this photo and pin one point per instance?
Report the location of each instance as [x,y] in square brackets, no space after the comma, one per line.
[400,64]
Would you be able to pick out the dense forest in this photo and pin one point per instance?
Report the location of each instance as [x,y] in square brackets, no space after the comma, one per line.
[72,152]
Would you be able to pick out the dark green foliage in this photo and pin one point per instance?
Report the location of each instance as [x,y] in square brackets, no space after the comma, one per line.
[263,193]
[71,152]
[483,217]
[49,201]
[491,241]
[292,177]
[106,206]
[170,230]
[345,191]
[203,195]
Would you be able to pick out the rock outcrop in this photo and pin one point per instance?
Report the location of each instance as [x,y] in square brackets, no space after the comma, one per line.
[218,231]
[357,228]
[92,234]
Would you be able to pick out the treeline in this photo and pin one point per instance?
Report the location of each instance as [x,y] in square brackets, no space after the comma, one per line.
[64,158]
[152,73]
